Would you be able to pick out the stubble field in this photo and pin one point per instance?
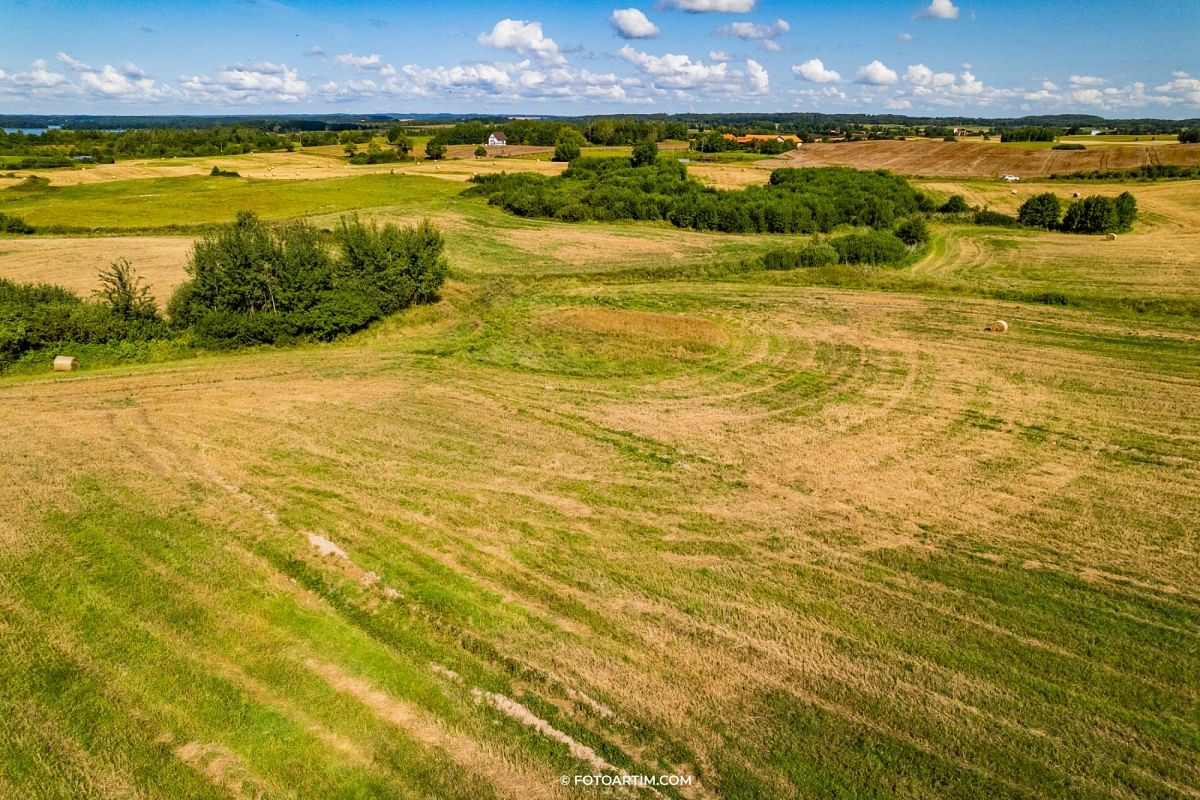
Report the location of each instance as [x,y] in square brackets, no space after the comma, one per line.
[613,507]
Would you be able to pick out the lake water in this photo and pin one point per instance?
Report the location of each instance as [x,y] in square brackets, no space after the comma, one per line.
[38,131]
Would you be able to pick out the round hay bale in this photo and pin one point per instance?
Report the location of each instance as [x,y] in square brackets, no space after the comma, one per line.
[999,326]
[64,363]
[1074,194]
[1112,237]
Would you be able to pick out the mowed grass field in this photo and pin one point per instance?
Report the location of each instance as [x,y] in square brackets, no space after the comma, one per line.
[611,506]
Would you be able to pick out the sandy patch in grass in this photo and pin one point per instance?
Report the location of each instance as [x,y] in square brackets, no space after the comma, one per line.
[222,768]
[75,262]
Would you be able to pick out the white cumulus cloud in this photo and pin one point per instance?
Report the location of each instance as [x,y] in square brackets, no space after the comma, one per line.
[765,35]
[706,6]
[373,61]
[757,77]
[814,70]
[523,37]
[940,9]
[73,63]
[631,23]
[876,74]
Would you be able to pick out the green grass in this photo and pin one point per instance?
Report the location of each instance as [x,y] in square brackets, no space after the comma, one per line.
[191,201]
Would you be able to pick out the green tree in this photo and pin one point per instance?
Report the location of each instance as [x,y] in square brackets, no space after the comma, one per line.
[480,151]
[123,291]
[569,145]
[1095,214]
[912,230]
[435,150]
[400,141]
[1041,211]
[1126,210]
[645,153]
[1189,136]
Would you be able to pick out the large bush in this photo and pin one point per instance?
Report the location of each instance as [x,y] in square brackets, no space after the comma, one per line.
[817,254]
[912,230]
[994,218]
[1041,211]
[955,205]
[873,247]
[254,283]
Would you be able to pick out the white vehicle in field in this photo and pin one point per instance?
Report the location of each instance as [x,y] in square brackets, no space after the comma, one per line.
[1011,178]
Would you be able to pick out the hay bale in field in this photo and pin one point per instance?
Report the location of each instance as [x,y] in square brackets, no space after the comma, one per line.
[1112,237]
[64,363]
[1074,194]
[999,326]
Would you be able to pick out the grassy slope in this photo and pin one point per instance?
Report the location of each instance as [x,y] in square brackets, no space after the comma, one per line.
[792,541]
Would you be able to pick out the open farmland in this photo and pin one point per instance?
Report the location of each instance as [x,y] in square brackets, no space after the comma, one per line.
[616,504]
[976,159]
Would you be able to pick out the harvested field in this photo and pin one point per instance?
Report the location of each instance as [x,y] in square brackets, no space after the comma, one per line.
[826,526]
[300,165]
[986,159]
[74,262]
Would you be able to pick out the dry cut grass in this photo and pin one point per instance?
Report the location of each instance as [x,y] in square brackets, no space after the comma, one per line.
[838,523]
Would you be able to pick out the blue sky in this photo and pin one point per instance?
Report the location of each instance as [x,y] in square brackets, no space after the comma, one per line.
[946,57]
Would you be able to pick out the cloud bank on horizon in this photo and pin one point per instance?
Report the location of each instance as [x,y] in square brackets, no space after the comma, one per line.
[944,57]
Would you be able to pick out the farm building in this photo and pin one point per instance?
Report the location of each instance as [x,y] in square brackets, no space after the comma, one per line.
[497,139]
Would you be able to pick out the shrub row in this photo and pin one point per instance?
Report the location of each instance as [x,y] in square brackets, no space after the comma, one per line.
[795,200]
[870,247]
[1147,172]
[250,283]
